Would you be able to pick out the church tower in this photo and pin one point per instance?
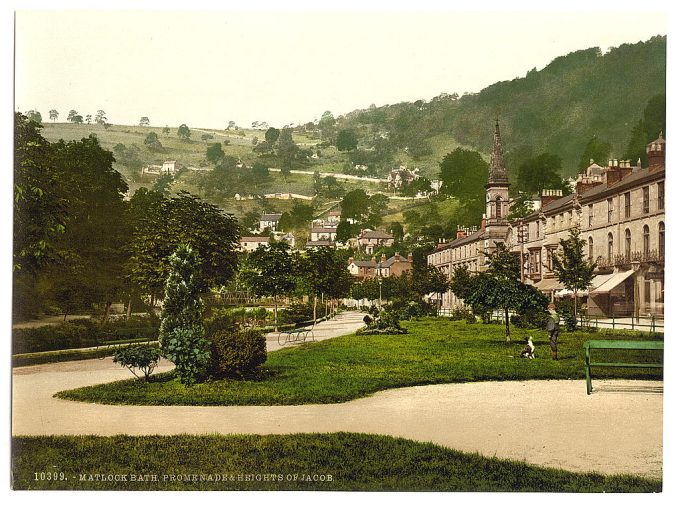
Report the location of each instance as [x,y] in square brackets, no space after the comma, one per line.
[496,223]
[497,195]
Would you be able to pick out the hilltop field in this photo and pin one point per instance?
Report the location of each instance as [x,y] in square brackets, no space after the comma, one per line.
[240,145]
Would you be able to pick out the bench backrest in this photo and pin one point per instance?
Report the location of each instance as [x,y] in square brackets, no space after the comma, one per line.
[624,344]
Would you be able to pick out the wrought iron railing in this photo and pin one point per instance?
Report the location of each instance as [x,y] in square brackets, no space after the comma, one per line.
[619,260]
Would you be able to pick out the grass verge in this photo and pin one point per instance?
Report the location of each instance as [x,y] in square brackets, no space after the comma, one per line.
[285,462]
[434,351]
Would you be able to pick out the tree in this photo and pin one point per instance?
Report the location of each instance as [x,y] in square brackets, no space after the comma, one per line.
[142,357]
[39,208]
[54,114]
[286,151]
[152,142]
[207,136]
[647,129]
[163,183]
[271,135]
[346,140]
[231,125]
[500,287]
[100,117]
[327,126]
[88,118]
[269,272]
[214,153]
[184,219]
[396,230]
[71,114]
[144,121]
[573,270]
[521,206]
[325,273]
[166,130]
[463,174]
[539,173]
[181,334]
[596,150]
[35,116]
[183,132]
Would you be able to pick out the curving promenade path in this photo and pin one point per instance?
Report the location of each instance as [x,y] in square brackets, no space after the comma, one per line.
[618,429]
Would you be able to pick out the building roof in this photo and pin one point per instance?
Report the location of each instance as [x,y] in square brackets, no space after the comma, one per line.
[637,177]
[473,237]
[320,243]
[365,264]
[254,239]
[391,261]
[270,217]
[324,229]
[375,234]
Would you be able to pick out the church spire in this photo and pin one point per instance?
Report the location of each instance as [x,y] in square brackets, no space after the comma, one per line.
[497,172]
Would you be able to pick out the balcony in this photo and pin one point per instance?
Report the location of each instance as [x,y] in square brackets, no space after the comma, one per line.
[623,260]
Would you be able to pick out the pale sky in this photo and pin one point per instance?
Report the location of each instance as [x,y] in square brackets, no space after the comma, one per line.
[206,68]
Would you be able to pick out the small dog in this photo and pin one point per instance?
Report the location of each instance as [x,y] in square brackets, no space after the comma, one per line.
[528,351]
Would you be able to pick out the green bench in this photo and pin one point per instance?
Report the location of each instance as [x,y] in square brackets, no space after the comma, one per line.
[631,345]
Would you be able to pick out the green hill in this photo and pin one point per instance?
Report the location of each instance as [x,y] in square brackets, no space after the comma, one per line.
[556,109]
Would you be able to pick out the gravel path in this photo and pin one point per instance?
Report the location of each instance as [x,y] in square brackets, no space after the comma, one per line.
[618,429]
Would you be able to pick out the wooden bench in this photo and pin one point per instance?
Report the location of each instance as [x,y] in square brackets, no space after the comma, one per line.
[631,345]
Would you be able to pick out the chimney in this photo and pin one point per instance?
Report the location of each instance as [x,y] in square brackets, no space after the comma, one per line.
[656,154]
[584,185]
[383,258]
[550,195]
[410,258]
[483,223]
[460,233]
[397,256]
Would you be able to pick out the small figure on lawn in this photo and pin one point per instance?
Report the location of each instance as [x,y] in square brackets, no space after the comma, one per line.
[528,351]
[553,327]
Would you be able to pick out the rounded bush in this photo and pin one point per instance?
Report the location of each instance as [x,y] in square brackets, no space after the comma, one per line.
[237,353]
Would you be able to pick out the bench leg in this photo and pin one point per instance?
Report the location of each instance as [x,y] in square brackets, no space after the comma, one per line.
[589,383]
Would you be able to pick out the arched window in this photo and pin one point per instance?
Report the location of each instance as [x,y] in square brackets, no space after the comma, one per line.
[627,244]
[610,247]
[662,239]
[590,248]
[499,207]
[645,240]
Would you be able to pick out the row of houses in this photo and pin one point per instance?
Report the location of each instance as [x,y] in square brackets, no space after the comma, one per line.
[619,211]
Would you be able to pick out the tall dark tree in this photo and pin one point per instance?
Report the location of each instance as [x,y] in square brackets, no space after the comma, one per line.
[647,129]
[463,174]
[183,132]
[54,114]
[271,135]
[214,153]
[144,121]
[184,219]
[269,272]
[346,140]
[539,173]
[596,150]
[571,266]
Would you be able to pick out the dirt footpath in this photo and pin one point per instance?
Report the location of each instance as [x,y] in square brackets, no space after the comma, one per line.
[618,429]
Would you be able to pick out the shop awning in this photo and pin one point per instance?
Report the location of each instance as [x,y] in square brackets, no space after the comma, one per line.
[548,285]
[612,282]
[597,281]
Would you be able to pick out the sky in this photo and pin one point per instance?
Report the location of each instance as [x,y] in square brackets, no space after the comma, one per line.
[205,68]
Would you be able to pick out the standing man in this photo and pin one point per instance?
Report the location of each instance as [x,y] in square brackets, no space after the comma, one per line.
[553,327]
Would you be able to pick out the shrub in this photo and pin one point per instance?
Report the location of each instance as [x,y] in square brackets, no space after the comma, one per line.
[297,313]
[460,314]
[237,353]
[188,349]
[142,357]
[386,324]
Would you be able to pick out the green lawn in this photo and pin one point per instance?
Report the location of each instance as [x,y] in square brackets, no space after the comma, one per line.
[243,462]
[434,351]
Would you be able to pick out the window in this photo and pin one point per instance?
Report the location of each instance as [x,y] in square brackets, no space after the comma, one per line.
[590,215]
[499,207]
[662,239]
[627,244]
[645,240]
[610,210]
[590,248]
[550,251]
[610,247]
[661,195]
[626,204]
[645,200]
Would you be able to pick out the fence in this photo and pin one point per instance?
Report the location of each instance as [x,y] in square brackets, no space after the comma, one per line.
[652,324]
